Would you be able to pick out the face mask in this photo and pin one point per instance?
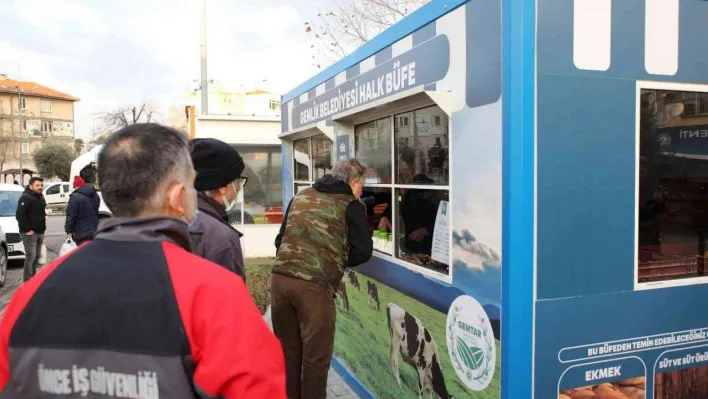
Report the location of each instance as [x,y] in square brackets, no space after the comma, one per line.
[193,222]
[230,204]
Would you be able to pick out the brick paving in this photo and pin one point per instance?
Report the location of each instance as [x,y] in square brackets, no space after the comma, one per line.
[12,281]
[337,388]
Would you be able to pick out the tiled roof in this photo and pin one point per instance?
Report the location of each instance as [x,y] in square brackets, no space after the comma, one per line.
[32,89]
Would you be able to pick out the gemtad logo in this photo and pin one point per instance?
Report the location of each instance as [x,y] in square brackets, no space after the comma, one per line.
[470,343]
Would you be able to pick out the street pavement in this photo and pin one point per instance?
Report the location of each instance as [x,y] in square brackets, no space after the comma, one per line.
[55,237]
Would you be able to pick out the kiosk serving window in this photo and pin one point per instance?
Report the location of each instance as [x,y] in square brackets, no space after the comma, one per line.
[262,195]
[407,189]
[373,149]
[313,159]
[672,209]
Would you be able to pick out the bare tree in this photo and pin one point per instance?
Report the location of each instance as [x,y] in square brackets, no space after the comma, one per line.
[110,122]
[9,136]
[348,24]
[177,118]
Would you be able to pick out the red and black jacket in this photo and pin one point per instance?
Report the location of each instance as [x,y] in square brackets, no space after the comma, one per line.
[133,314]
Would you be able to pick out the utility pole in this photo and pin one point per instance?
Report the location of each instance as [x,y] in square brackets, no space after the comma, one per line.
[205,83]
[19,127]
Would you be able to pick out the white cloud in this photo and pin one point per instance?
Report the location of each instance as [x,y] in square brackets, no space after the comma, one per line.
[474,254]
[60,16]
[112,53]
[477,175]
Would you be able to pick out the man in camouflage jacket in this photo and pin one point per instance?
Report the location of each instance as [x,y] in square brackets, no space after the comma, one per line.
[324,230]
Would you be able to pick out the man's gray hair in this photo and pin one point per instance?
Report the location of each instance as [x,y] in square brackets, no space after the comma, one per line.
[349,170]
[136,165]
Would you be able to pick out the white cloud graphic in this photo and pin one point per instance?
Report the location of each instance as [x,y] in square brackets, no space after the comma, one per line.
[474,254]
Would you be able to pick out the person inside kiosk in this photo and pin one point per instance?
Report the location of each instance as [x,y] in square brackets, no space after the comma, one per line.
[419,186]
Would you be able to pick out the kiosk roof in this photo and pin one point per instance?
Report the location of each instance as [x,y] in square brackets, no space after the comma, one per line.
[416,20]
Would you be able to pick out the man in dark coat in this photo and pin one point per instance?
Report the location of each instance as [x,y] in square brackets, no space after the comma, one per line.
[31,218]
[82,212]
[219,179]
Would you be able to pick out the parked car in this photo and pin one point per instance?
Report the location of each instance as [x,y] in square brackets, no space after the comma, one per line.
[57,194]
[11,241]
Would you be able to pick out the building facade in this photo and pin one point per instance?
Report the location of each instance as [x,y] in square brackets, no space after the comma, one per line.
[250,122]
[223,101]
[31,115]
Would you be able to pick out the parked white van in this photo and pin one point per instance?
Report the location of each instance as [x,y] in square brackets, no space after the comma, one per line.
[57,194]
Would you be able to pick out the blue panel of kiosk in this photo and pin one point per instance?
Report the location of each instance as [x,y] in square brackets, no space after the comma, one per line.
[591,325]
[519,88]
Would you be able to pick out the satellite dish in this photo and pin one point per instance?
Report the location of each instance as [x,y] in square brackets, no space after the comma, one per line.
[674,110]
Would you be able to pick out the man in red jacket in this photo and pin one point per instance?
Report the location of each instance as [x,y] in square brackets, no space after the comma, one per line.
[133,314]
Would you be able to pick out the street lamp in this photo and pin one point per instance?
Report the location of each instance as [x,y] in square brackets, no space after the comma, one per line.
[19,126]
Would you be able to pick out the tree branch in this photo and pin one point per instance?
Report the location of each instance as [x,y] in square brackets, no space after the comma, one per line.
[350,23]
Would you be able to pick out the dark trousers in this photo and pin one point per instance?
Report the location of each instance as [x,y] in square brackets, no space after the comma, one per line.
[303,315]
[32,244]
[81,241]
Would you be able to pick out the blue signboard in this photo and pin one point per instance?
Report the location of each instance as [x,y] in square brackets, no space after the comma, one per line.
[342,147]
[685,141]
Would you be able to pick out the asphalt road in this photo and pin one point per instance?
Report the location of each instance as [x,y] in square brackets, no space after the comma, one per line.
[54,238]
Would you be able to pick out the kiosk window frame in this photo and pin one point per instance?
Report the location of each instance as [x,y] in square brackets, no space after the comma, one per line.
[395,188]
[660,86]
[312,176]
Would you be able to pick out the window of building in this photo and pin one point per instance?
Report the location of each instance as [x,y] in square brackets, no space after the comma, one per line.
[312,160]
[25,148]
[47,126]
[23,124]
[274,105]
[672,173]
[407,191]
[22,103]
[46,106]
[695,104]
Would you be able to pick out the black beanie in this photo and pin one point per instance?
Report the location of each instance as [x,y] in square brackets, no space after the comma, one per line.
[217,163]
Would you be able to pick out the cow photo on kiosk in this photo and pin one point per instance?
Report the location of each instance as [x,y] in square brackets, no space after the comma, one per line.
[342,294]
[354,280]
[373,294]
[417,348]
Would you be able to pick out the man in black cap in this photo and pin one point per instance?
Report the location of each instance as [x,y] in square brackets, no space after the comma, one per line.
[219,167]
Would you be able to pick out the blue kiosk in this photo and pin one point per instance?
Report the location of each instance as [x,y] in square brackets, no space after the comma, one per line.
[538,199]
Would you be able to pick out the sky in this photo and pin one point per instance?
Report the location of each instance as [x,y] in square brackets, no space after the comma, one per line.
[113,53]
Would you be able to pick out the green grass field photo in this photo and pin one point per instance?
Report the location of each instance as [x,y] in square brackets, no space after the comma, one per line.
[362,344]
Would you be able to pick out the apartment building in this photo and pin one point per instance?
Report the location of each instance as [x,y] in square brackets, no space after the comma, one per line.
[30,115]
[226,101]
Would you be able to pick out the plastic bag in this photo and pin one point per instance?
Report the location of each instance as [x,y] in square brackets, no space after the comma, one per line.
[267,318]
[42,255]
[68,246]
